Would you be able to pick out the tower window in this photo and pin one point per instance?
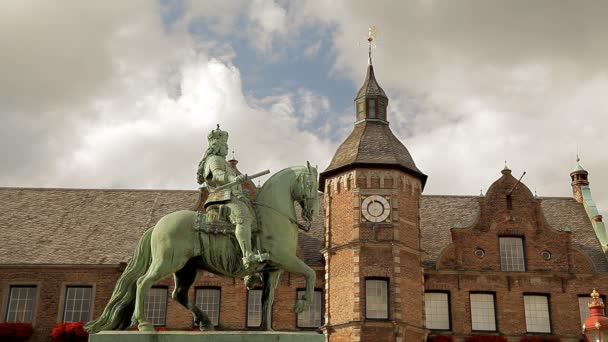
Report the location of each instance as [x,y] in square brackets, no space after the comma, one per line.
[360,109]
[371,108]
[512,254]
[376,298]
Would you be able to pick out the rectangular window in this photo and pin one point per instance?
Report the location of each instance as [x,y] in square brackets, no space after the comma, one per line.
[483,315]
[376,298]
[77,306]
[537,313]
[437,309]
[512,254]
[208,300]
[156,305]
[254,308]
[360,110]
[371,108]
[583,306]
[311,317]
[21,300]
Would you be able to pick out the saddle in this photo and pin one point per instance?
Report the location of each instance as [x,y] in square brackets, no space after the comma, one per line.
[216,221]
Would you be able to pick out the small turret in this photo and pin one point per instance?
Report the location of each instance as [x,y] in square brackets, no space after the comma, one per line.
[579,179]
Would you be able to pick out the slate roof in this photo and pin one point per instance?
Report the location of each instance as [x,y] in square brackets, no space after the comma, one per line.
[371,144]
[440,213]
[94,226]
[370,86]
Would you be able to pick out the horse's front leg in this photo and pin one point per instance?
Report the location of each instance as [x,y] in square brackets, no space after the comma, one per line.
[293,264]
[271,280]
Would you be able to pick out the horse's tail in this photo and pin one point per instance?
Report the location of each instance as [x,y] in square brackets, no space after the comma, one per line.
[118,312]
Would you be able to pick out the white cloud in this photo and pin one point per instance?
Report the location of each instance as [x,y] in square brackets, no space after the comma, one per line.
[476,82]
[131,105]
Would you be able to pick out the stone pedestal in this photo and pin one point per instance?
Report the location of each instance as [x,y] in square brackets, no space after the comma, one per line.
[196,336]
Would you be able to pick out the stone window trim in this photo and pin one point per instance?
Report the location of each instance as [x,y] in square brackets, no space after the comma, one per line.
[540,294]
[524,251]
[209,287]
[388,298]
[6,290]
[316,289]
[495,310]
[63,291]
[449,294]
[247,307]
[166,288]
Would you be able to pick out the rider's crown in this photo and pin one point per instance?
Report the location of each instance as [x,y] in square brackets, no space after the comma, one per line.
[217,135]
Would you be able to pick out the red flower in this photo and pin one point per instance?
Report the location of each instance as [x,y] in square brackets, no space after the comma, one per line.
[69,332]
[548,338]
[14,332]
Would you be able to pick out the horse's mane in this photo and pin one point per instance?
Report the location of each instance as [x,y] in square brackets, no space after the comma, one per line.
[274,177]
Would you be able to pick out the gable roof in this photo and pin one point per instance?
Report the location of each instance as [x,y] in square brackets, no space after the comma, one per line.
[93,226]
[101,227]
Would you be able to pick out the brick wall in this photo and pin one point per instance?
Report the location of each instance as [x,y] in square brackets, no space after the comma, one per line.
[51,283]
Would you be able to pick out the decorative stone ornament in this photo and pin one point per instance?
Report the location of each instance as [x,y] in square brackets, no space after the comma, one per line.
[376,208]
[596,325]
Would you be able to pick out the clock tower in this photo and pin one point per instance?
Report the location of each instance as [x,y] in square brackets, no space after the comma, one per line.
[374,283]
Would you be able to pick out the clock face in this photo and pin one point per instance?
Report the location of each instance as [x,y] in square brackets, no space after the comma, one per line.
[375,208]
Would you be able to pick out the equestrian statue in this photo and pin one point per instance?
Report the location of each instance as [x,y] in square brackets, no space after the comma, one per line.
[233,236]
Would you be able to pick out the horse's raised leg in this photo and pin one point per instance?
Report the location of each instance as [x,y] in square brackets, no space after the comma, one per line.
[271,280]
[293,264]
[158,270]
[184,278]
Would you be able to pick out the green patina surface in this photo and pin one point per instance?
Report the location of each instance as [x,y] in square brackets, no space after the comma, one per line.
[218,336]
[591,208]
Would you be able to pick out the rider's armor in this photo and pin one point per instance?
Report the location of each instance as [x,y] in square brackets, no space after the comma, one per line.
[216,172]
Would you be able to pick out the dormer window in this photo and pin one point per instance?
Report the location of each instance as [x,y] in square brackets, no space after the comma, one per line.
[371,108]
[360,110]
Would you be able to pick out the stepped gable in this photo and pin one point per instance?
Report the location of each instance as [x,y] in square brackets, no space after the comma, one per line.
[440,213]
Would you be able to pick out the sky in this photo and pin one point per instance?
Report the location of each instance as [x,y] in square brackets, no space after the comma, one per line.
[123,94]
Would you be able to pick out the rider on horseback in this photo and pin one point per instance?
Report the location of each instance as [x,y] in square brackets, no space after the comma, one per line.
[216,172]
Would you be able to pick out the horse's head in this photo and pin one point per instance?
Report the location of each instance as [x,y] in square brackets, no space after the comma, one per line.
[307,194]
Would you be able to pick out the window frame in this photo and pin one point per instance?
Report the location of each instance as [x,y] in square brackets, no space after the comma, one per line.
[36,299]
[388,298]
[523,248]
[261,308]
[495,310]
[546,295]
[166,288]
[322,309]
[65,299]
[219,305]
[449,309]
[371,108]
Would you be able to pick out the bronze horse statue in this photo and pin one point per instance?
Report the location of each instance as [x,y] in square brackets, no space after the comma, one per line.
[176,246]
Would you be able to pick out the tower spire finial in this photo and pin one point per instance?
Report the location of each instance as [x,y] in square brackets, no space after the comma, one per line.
[371,35]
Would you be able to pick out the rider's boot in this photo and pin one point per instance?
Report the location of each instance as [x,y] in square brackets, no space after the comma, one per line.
[243,235]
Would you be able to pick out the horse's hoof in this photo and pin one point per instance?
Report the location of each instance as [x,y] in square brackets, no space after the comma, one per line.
[206,328]
[145,326]
[299,306]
